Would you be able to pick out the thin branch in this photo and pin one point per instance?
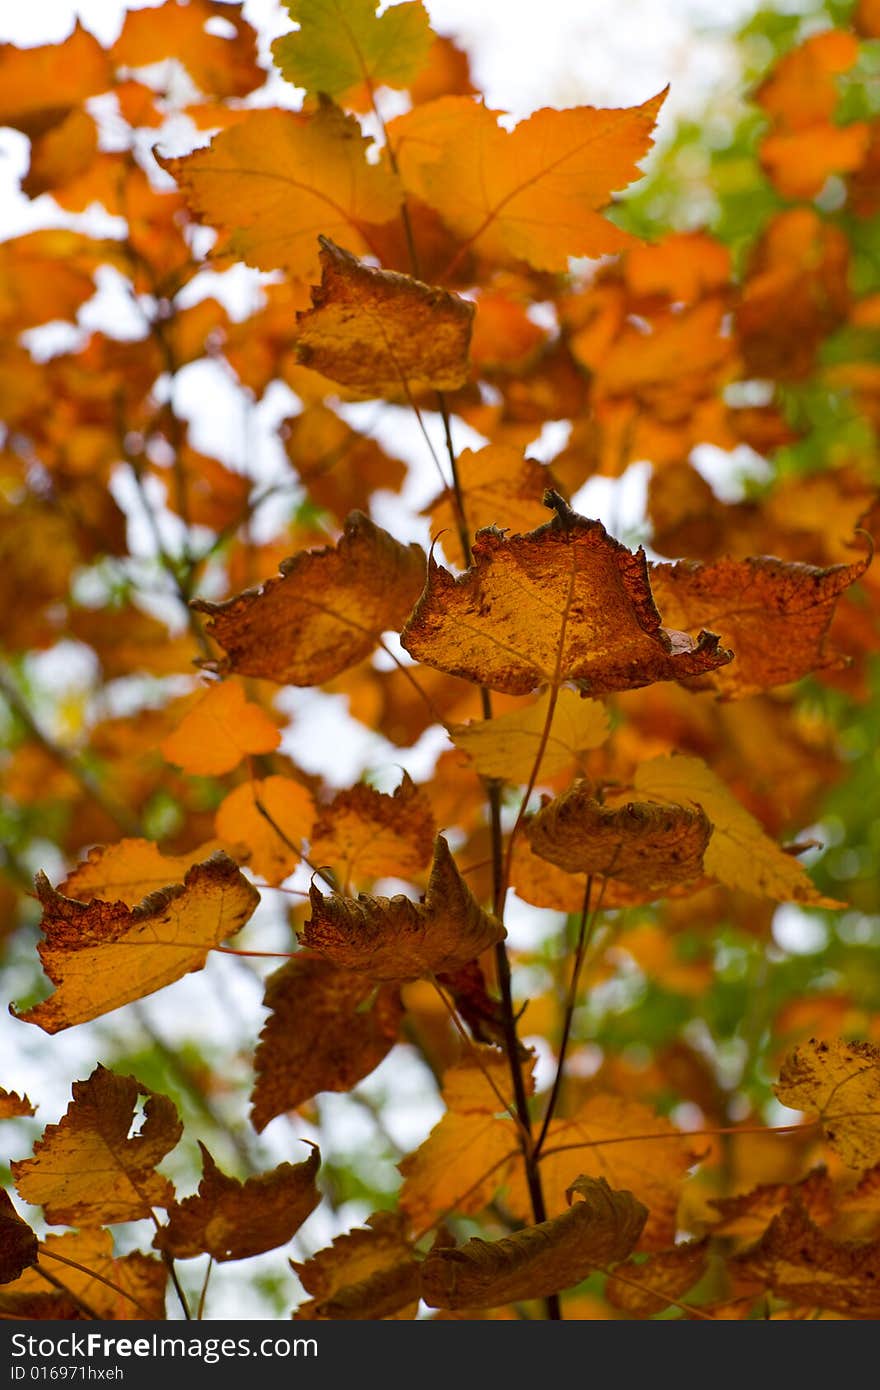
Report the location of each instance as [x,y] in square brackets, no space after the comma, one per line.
[474,1051]
[656,1293]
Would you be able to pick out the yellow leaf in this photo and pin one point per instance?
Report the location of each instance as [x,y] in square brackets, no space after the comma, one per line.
[508,746]
[266,822]
[369,1273]
[840,1082]
[218,731]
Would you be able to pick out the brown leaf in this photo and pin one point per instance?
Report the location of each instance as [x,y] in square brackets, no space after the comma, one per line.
[380,333]
[86,1171]
[641,843]
[839,1081]
[326,612]
[13,1105]
[541,1259]
[365,834]
[565,602]
[775,615]
[327,1030]
[397,939]
[19,1246]
[101,955]
[662,1277]
[232,1220]
[142,1277]
[369,1273]
[797,1261]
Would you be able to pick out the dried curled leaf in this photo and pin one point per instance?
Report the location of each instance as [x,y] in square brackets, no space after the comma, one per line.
[775,614]
[19,1246]
[101,955]
[397,939]
[538,1260]
[221,728]
[739,854]
[381,333]
[508,745]
[13,1105]
[642,843]
[840,1082]
[232,1220]
[566,602]
[369,1273]
[324,613]
[796,1260]
[657,1281]
[86,1171]
[328,1028]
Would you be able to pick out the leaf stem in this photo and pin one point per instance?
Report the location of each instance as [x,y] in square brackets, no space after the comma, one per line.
[92,1274]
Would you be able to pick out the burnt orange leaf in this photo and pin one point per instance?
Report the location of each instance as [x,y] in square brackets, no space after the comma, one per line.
[499,487]
[342,44]
[62,154]
[397,939]
[221,64]
[19,1246]
[232,1220]
[566,602]
[364,834]
[530,194]
[369,1273]
[220,729]
[748,1214]
[540,1260]
[103,954]
[341,468]
[142,1277]
[325,613]
[265,822]
[39,85]
[46,275]
[86,1170]
[840,1082]
[661,1278]
[739,854]
[508,745]
[327,1029]
[271,181]
[774,614]
[801,89]
[642,843]
[13,1105]
[799,162]
[380,333]
[796,1260]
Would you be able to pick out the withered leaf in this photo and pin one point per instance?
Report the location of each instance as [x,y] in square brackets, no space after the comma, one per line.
[538,1260]
[13,1105]
[325,612]
[839,1081]
[566,602]
[233,1220]
[642,842]
[369,1273]
[19,1246]
[666,1275]
[381,333]
[397,939]
[327,1030]
[101,955]
[798,1261]
[139,1281]
[775,615]
[365,834]
[86,1171]
[508,745]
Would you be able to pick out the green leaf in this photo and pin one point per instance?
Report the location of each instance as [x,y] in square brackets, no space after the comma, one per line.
[342,43]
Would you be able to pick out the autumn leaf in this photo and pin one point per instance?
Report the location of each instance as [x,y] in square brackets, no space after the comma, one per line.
[380,333]
[264,822]
[274,179]
[533,193]
[364,834]
[508,745]
[86,1170]
[739,853]
[324,613]
[840,1082]
[129,871]
[794,1259]
[498,487]
[642,843]
[232,1220]
[138,1281]
[539,1260]
[327,1029]
[341,468]
[774,614]
[566,602]
[369,1273]
[103,954]
[220,729]
[40,85]
[340,46]
[222,64]
[397,939]
[645,1288]
[19,1246]
[13,1105]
